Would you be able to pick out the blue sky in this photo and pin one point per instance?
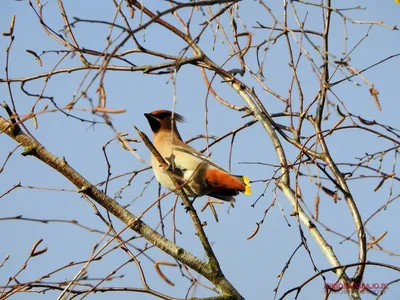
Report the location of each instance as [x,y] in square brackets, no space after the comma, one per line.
[251,265]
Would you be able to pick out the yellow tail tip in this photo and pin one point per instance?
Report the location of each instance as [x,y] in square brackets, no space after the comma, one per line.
[247,189]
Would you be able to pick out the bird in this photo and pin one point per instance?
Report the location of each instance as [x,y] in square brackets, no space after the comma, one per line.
[198,174]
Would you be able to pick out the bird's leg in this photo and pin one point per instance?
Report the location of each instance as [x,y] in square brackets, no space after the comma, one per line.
[187,208]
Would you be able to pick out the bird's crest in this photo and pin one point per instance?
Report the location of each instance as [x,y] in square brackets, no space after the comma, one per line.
[162,114]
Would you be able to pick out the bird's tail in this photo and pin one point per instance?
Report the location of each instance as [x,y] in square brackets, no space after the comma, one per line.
[227,184]
[247,185]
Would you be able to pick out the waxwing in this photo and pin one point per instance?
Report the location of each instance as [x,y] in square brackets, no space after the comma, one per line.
[199,174]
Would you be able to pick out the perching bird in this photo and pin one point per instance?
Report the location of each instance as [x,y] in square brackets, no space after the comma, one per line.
[200,175]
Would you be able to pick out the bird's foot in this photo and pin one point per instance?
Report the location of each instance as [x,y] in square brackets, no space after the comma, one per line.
[190,206]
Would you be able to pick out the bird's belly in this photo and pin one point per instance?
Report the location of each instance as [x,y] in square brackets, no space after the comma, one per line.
[163,178]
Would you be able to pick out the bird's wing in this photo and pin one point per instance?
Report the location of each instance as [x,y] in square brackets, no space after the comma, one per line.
[196,155]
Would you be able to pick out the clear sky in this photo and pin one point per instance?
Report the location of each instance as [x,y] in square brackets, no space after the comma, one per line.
[251,265]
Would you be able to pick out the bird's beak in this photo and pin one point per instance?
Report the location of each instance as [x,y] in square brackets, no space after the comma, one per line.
[149,117]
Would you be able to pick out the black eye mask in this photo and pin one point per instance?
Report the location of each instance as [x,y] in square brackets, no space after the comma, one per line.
[154,122]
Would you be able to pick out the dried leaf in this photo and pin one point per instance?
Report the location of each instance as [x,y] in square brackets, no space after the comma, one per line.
[109,110]
[103,97]
[253,234]
[161,274]
[131,12]
[331,193]
[214,212]
[383,181]
[352,70]
[340,112]
[374,93]
[5,259]
[35,122]
[316,207]
[366,122]
[37,58]
[341,62]
[11,30]
[377,240]
[298,191]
